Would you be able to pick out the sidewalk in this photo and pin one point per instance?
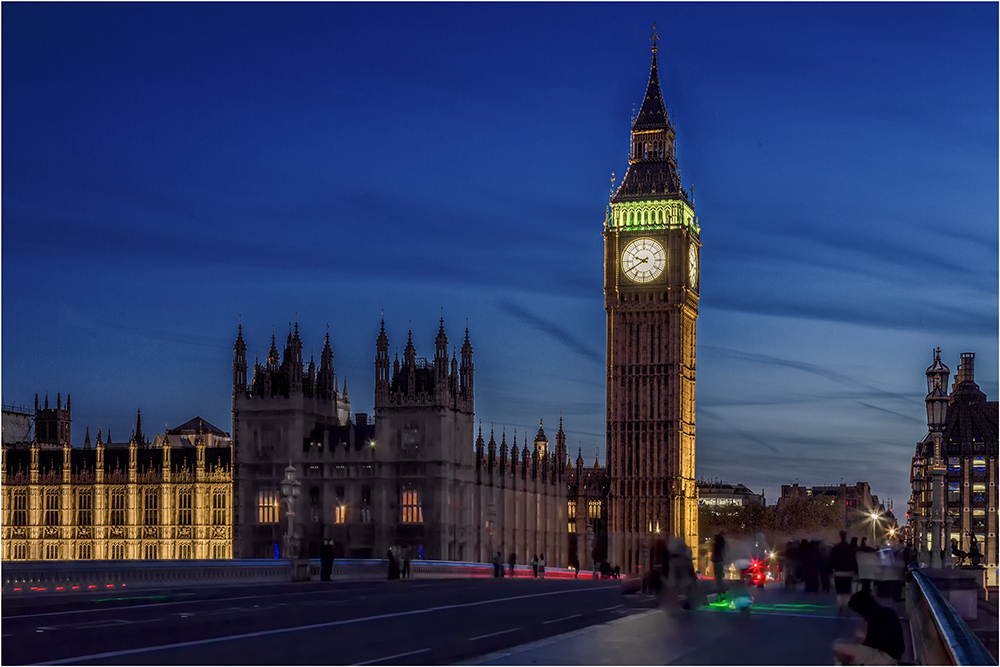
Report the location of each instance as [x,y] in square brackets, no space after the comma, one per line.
[986,624]
[787,629]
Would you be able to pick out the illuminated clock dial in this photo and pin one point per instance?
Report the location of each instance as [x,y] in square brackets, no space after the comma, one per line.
[693,265]
[643,260]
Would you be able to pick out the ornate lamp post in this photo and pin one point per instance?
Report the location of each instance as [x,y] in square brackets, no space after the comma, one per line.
[937,406]
[290,489]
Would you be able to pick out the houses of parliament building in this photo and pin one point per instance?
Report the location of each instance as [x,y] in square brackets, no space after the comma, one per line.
[418,474]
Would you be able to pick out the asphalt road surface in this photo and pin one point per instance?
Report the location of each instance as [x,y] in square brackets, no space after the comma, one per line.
[417,621]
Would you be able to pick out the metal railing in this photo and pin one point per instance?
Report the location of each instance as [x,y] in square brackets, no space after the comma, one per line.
[940,636]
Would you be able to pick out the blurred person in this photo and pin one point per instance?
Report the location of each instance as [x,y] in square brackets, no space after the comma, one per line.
[541,566]
[878,639]
[326,560]
[845,566]
[511,561]
[719,564]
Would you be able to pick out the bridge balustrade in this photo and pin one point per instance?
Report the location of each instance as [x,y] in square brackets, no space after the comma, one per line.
[939,635]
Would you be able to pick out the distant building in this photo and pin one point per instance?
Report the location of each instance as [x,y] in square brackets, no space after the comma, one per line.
[169,498]
[969,450]
[853,501]
[722,494]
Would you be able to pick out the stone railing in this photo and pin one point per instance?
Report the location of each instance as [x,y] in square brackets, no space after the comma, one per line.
[66,576]
[938,633]
[21,577]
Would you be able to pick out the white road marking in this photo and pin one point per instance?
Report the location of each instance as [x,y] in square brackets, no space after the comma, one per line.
[493,634]
[314,626]
[564,618]
[390,657]
[12,617]
[101,624]
[617,606]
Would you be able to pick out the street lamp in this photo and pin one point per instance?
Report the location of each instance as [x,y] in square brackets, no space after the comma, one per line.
[290,489]
[875,517]
[937,407]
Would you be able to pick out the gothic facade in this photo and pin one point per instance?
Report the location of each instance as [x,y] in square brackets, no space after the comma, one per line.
[169,498]
[652,246]
[412,476]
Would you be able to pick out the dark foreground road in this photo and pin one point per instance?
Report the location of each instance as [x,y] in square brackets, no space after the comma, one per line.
[337,623]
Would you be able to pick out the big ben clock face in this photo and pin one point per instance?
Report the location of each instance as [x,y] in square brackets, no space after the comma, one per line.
[693,266]
[643,260]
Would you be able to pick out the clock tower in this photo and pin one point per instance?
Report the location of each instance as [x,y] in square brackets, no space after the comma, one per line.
[651,252]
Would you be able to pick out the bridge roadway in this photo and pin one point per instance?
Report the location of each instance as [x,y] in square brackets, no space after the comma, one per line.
[426,622]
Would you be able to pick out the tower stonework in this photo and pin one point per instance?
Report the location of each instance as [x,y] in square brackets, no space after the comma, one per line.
[651,241]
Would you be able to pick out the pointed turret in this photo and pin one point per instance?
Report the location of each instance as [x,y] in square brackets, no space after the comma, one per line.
[325,381]
[441,365]
[140,439]
[466,371]
[503,451]
[410,364]
[541,441]
[561,454]
[480,445]
[382,378]
[239,364]
[492,451]
[86,439]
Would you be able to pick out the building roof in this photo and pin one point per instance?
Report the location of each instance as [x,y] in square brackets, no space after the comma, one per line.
[195,426]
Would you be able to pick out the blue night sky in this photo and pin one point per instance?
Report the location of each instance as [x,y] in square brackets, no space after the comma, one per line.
[171,168]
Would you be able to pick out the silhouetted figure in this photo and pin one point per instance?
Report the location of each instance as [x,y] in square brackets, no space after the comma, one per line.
[605,570]
[864,545]
[497,567]
[541,566]
[845,566]
[811,566]
[511,561]
[393,566]
[576,567]
[882,642]
[406,563]
[719,564]
[825,569]
[534,565]
[975,556]
[326,560]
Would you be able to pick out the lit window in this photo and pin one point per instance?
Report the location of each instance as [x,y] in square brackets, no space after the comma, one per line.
[20,514]
[84,552]
[52,508]
[84,505]
[571,509]
[152,514]
[118,551]
[52,551]
[185,512]
[340,514]
[572,526]
[267,506]
[219,508]
[117,508]
[594,509]
[412,511]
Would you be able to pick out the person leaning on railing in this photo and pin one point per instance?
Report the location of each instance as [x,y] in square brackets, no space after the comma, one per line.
[879,637]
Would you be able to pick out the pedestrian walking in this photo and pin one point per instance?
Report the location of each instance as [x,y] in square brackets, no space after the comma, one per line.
[844,565]
[534,565]
[719,564]
[496,565]
[406,563]
[326,560]
[511,561]
[541,566]
[393,565]
[576,567]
